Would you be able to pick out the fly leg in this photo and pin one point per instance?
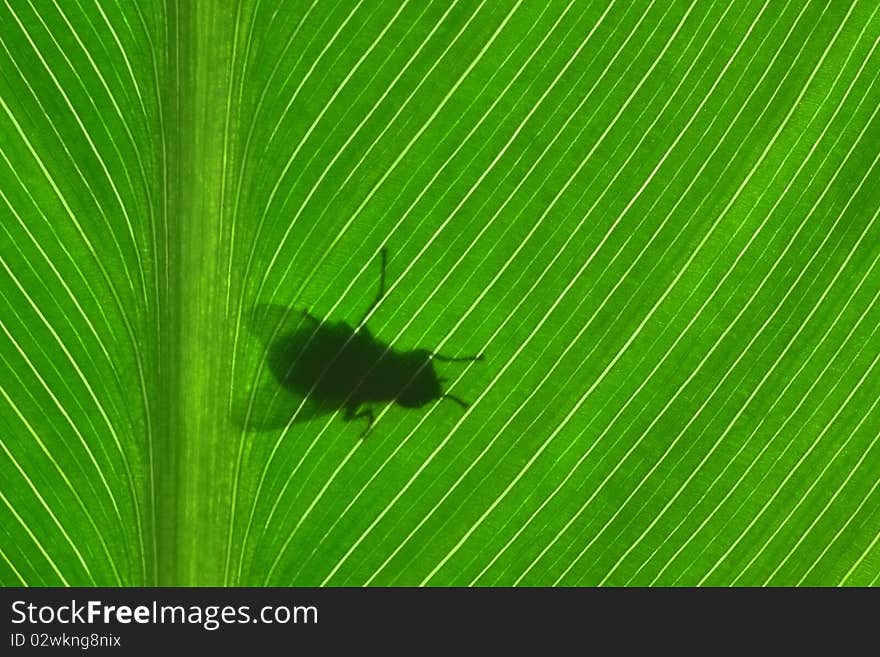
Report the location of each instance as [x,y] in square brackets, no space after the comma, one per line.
[381,293]
[351,413]
[310,316]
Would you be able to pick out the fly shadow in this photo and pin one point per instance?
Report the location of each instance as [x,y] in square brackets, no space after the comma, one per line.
[320,367]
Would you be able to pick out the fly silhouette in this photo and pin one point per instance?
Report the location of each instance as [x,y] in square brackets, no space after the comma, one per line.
[327,367]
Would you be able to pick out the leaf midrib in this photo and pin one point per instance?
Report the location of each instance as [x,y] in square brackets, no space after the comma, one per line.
[195,445]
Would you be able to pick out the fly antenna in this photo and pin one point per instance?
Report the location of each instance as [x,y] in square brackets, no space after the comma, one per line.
[456,359]
[458,400]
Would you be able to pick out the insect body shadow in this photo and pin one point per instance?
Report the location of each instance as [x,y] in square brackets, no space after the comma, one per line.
[324,367]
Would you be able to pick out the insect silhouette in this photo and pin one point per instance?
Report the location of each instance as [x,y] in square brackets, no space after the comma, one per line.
[333,366]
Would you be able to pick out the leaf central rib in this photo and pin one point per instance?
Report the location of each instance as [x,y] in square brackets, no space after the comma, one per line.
[197,439]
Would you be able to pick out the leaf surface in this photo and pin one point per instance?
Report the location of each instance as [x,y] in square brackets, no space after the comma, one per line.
[657,222]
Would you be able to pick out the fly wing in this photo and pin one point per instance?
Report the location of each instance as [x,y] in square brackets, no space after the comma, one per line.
[266,405]
[272,407]
[269,321]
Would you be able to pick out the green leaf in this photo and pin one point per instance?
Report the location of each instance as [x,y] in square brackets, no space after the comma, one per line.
[657,222]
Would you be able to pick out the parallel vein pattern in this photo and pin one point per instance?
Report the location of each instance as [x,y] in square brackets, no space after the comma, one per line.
[658,221]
